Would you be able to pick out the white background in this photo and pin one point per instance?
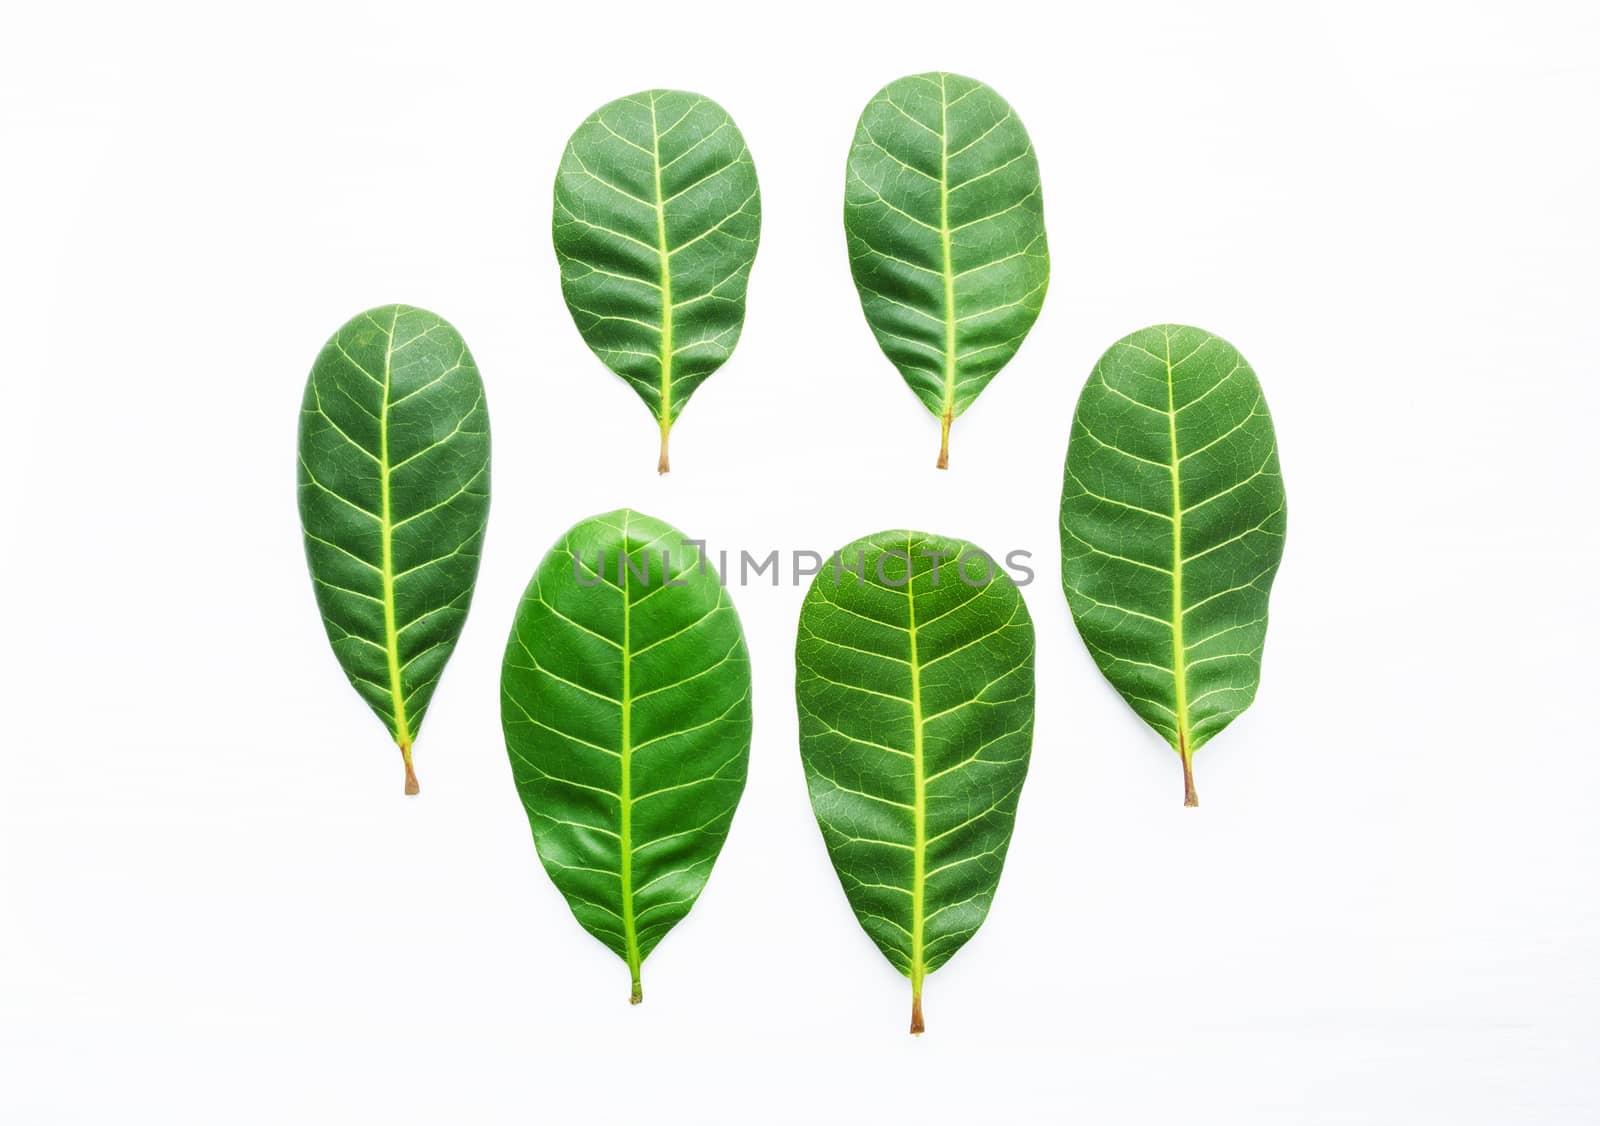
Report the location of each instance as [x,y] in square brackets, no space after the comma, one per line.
[215,904]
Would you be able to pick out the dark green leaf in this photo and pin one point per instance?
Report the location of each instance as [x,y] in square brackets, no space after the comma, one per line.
[945,222]
[625,698]
[657,217]
[914,678]
[394,494]
[1172,524]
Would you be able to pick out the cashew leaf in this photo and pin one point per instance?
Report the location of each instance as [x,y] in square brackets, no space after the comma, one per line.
[394,496]
[944,218]
[914,680]
[1172,526]
[625,702]
[657,219]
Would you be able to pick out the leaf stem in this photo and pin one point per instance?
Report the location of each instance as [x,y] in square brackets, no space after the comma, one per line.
[666,428]
[944,441]
[916,1009]
[411,775]
[1190,798]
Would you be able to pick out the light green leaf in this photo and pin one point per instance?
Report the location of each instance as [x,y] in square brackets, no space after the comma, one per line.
[1172,525]
[394,494]
[657,217]
[625,699]
[914,679]
[944,219]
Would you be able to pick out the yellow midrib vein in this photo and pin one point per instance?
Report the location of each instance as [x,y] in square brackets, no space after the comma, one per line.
[630,932]
[1179,674]
[391,635]
[919,804]
[949,268]
[666,289]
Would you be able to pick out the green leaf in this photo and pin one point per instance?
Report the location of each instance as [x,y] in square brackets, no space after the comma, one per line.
[1172,524]
[914,679]
[657,217]
[394,494]
[625,700]
[945,224]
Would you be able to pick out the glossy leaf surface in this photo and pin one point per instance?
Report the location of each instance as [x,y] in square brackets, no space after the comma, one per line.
[657,218]
[625,700]
[394,495]
[914,679]
[944,218]
[1172,525]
